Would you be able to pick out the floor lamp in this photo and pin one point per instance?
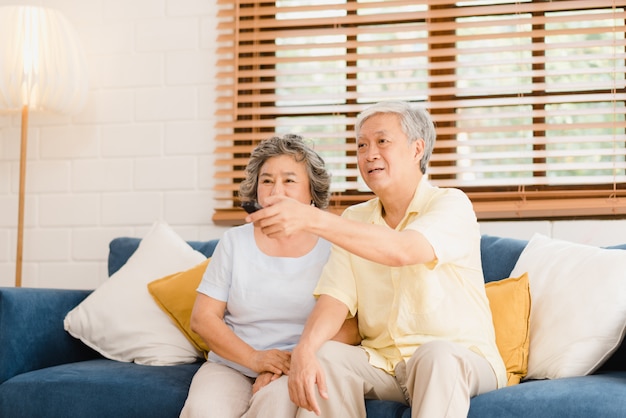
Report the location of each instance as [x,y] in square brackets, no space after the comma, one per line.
[42,67]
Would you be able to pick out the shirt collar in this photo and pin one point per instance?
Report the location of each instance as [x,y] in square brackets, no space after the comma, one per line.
[414,209]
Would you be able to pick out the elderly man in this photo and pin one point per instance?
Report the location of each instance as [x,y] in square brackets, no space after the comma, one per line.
[408,264]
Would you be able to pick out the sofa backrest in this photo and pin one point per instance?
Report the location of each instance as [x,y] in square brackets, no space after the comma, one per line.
[498,256]
[120,250]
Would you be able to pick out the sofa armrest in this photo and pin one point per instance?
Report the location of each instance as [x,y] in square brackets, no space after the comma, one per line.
[31,330]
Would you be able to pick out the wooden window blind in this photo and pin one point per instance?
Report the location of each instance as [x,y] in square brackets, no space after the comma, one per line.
[528,96]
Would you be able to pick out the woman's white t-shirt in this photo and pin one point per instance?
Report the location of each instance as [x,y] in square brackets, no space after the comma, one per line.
[268,299]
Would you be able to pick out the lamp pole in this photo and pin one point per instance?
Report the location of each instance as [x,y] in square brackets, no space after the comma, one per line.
[20,211]
[43,68]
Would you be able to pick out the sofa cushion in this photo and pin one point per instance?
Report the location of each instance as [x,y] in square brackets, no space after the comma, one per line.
[578,317]
[575,397]
[176,295]
[120,319]
[386,409]
[509,300]
[98,389]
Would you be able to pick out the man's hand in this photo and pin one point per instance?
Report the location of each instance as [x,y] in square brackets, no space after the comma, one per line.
[306,373]
[282,216]
[273,361]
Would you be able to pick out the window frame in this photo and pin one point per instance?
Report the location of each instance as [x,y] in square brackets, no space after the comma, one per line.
[511,201]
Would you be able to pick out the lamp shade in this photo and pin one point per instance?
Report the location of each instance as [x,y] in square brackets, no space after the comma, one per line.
[42,65]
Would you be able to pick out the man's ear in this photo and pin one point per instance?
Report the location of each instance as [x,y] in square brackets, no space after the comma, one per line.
[418,147]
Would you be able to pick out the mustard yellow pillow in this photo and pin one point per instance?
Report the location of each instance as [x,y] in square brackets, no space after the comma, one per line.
[175,294]
[509,300]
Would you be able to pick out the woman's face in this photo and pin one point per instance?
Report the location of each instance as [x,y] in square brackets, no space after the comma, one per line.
[284,176]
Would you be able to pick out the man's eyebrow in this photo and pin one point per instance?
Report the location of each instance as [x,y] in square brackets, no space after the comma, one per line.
[382,132]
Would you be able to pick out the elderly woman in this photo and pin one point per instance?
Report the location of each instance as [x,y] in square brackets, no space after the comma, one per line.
[257,293]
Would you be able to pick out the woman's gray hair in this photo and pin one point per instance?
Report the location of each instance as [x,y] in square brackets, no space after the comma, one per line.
[293,145]
[415,121]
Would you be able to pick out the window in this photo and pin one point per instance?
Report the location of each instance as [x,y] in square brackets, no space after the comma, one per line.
[528,96]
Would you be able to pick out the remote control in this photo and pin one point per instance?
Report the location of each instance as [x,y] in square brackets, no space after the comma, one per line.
[251,206]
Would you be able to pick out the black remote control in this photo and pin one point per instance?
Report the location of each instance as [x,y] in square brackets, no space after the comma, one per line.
[251,206]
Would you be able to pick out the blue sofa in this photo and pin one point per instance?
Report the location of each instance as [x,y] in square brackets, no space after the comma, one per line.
[44,372]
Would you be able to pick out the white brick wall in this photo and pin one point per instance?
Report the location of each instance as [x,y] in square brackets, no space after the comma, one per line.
[141,149]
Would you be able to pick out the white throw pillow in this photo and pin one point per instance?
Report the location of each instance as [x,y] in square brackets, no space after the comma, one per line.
[578,310]
[120,319]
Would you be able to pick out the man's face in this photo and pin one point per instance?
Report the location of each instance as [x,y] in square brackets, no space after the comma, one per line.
[284,176]
[384,154]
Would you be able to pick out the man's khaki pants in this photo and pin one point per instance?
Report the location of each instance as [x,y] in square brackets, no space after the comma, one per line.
[438,381]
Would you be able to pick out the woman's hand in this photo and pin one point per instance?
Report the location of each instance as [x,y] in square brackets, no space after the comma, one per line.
[273,361]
